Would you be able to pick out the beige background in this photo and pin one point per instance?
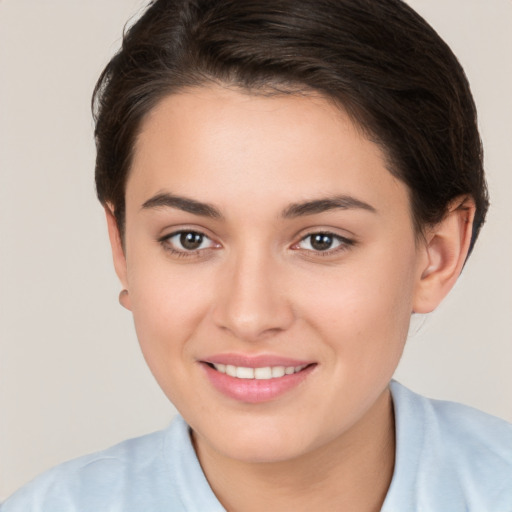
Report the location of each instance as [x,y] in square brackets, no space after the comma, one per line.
[72,379]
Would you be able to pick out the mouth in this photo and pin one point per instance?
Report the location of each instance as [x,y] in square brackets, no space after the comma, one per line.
[259,373]
[262,381]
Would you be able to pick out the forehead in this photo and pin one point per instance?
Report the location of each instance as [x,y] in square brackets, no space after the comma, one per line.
[219,144]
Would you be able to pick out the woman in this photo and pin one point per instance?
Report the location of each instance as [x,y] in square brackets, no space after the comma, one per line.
[284,184]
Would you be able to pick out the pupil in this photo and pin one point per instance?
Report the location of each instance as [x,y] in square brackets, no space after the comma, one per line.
[321,242]
[191,240]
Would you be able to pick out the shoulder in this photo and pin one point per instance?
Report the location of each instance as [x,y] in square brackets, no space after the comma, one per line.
[133,472]
[456,427]
[451,453]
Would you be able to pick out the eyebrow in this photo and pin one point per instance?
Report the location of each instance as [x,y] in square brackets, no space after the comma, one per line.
[182,203]
[313,207]
[294,210]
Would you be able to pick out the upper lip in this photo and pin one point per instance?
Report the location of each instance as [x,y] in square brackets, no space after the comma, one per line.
[255,361]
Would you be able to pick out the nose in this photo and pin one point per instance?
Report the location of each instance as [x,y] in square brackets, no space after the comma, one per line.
[252,303]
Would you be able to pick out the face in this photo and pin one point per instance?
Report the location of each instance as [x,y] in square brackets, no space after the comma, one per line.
[271,265]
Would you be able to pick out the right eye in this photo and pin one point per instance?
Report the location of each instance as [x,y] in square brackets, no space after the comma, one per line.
[187,242]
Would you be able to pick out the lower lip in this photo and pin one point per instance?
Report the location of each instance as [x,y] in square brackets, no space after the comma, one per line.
[255,391]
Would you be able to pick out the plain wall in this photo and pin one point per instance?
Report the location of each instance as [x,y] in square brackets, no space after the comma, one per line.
[72,379]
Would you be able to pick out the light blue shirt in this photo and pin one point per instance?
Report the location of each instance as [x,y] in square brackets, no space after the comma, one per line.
[449,458]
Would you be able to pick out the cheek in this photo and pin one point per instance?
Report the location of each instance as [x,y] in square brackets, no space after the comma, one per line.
[168,304]
[365,308]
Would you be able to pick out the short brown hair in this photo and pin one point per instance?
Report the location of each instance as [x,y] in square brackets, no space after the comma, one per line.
[378,59]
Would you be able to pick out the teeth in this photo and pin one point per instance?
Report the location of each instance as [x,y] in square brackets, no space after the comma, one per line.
[244,373]
[278,371]
[265,373]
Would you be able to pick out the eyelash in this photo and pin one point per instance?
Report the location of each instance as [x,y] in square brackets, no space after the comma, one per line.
[184,253]
[344,244]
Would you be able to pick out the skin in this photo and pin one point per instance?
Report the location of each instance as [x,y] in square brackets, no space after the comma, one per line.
[258,286]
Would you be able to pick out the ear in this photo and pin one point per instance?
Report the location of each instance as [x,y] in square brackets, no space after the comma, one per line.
[118,254]
[446,246]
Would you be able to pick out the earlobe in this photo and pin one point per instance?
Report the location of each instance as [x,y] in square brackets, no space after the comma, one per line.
[446,247]
[118,254]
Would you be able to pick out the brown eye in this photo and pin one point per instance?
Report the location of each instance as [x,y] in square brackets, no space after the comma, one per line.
[321,241]
[187,242]
[327,243]
[191,240]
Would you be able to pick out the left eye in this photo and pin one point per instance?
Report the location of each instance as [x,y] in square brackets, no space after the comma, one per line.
[321,242]
[189,241]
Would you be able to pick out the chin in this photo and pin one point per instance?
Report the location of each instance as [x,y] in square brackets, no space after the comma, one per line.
[260,443]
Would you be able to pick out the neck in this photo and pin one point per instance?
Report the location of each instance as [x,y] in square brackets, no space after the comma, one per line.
[353,472]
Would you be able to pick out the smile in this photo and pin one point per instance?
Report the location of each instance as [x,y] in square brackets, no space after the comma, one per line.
[257,379]
[263,373]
